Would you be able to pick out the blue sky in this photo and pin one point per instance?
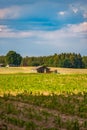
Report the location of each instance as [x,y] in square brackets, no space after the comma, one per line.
[43,27]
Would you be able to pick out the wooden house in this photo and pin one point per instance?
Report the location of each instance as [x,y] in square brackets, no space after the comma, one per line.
[41,69]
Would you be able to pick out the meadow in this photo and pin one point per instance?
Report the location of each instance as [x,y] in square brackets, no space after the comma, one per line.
[43,101]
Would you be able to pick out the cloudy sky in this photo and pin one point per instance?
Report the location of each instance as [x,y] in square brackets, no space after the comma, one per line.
[43,27]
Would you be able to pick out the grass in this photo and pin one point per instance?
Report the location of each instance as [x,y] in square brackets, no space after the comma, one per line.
[43,101]
[11,70]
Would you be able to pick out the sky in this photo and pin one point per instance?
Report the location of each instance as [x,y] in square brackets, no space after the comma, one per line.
[43,27]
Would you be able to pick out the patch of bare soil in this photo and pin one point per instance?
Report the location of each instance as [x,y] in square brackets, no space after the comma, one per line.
[25,116]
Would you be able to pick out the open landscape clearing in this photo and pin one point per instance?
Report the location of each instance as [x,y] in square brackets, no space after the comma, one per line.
[43,64]
[43,101]
[9,70]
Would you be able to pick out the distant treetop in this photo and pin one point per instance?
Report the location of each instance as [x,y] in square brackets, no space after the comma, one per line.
[13,58]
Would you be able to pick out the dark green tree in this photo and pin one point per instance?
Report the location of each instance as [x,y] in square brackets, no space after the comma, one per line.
[13,58]
[84,59]
[3,60]
[66,60]
[66,63]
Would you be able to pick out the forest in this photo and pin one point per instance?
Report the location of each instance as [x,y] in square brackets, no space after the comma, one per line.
[66,60]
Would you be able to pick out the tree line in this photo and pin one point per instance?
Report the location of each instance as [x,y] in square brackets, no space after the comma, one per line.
[66,60]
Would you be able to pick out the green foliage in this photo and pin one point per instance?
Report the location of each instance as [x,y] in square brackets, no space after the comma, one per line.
[30,126]
[67,60]
[58,121]
[73,125]
[3,60]
[84,59]
[13,58]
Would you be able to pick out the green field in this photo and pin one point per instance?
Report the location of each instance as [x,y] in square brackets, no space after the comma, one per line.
[43,83]
[43,101]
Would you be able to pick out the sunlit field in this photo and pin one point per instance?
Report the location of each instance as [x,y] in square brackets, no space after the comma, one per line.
[43,83]
[12,70]
[43,101]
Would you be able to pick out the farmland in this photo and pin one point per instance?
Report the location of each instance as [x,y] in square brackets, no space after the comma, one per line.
[12,70]
[43,101]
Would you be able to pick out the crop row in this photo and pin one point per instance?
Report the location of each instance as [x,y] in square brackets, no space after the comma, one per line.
[39,112]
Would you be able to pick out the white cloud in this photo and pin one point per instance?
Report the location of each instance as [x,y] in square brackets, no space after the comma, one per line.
[77,30]
[6,32]
[61,13]
[85,15]
[75,10]
[0,29]
[70,31]
[83,9]
[35,10]
[79,8]
[10,12]
[4,28]
[71,38]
